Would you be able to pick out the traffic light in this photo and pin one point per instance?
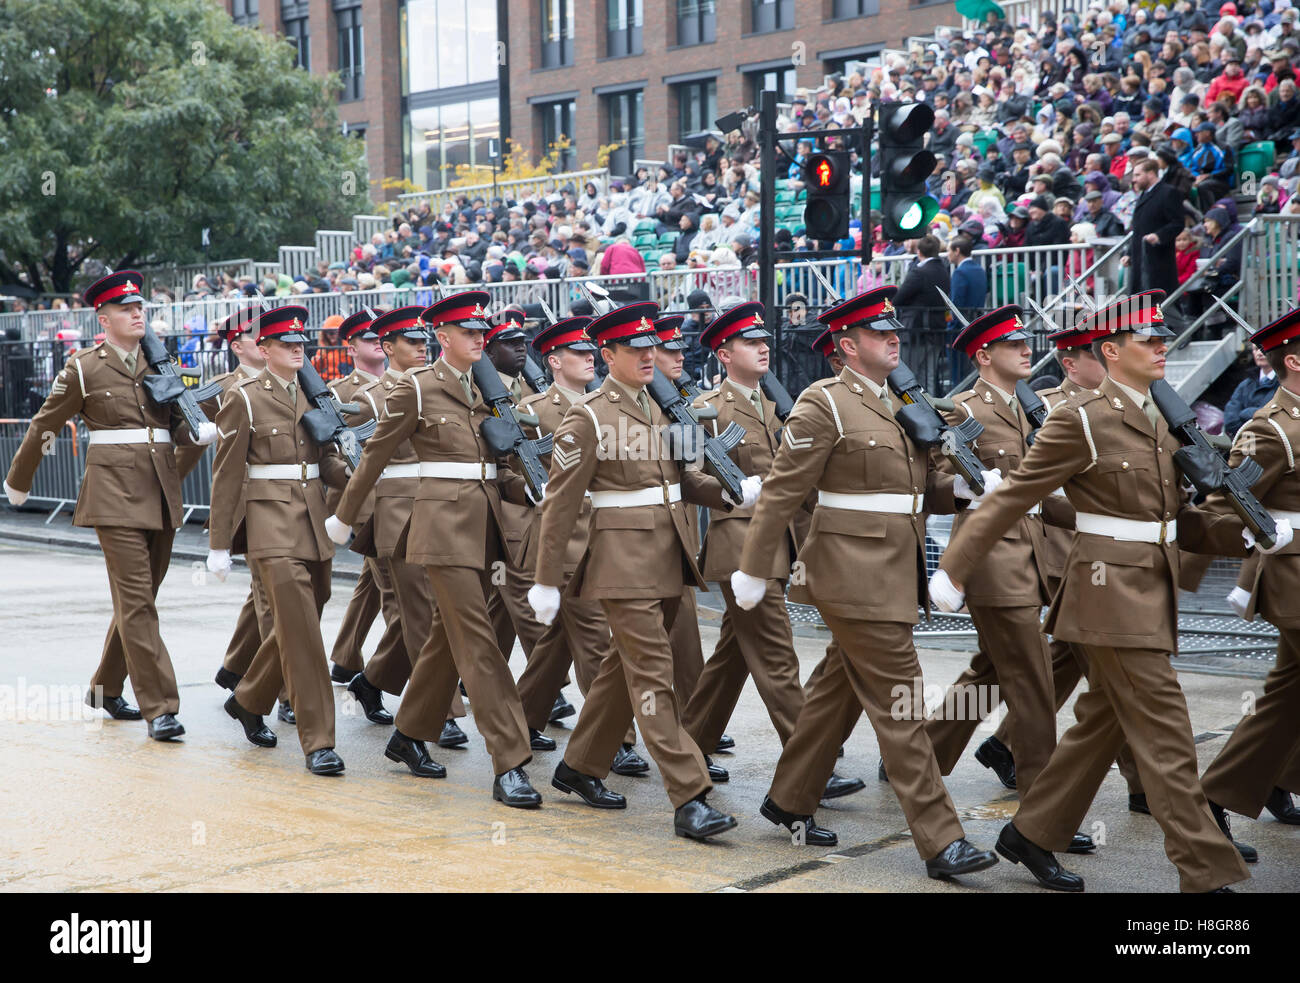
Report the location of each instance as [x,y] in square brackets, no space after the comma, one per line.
[826,212]
[904,165]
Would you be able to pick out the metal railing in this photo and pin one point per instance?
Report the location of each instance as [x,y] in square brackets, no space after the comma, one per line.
[513,188]
[335,247]
[1270,266]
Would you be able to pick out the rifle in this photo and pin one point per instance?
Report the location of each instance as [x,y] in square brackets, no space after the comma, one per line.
[503,431]
[325,423]
[922,422]
[168,386]
[1206,470]
[717,460]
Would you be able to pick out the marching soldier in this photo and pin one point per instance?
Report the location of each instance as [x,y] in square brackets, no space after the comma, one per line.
[455,533]
[639,558]
[1258,767]
[579,636]
[758,641]
[268,504]
[130,495]
[874,487]
[1111,451]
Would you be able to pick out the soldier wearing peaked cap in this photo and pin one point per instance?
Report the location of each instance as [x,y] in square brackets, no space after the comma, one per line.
[639,558]
[268,504]
[1259,767]
[874,486]
[130,495]
[757,642]
[455,532]
[1111,451]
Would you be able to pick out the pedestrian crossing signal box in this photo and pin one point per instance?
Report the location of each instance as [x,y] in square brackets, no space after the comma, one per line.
[905,164]
[826,211]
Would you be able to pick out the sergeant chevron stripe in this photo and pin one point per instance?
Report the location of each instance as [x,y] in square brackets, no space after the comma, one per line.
[797,443]
[567,457]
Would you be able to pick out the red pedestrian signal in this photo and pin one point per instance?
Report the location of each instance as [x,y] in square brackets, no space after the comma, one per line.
[824,173]
[826,211]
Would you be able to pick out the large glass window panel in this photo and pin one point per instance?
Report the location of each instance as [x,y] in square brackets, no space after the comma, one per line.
[623,27]
[557,33]
[482,43]
[421,30]
[697,104]
[485,125]
[557,123]
[696,21]
[450,44]
[351,48]
[425,162]
[455,140]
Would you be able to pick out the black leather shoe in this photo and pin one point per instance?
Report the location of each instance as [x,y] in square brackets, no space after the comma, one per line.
[996,755]
[227,679]
[562,708]
[165,727]
[285,712]
[324,761]
[1039,862]
[116,707]
[697,820]
[256,731]
[1222,890]
[959,857]
[338,674]
[725,743]
[881,772]
[539,741]
[371,698]
[452,735]
[717,773]
[1248,853]
[628,763]
[1138,803]
[1081,843]
[838,786]
[1282,807]
[803,829]
[414,755]
[588,788]
[514,790]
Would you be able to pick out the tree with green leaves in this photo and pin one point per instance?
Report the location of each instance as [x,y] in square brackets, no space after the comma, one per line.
[129,126]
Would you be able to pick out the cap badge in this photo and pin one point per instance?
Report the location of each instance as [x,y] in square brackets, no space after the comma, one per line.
[888,308]
[1157,314]
[478,311]
[758,319]
[1019,323]
[646,325]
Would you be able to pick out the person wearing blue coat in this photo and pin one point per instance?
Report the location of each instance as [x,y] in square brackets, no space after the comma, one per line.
[1251,393]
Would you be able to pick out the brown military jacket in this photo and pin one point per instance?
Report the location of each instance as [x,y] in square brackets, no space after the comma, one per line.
[346,390]
[605,443]
[549,408]
[1058,537]
[1101,449]
[516,518]
[1272,437]
[451,519]
[725,537]
[269,517]
[132,485]
[840,438]
[187,458]
[393,498]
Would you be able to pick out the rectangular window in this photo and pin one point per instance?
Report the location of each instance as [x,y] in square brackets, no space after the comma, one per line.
[352,64]
[244,12]
[557,33]
[779,80]
[842,9]
[626,128]
[697,105]
[772,15]
[697,22]
[296,31]
[623,30]
[443,138]
[557,123]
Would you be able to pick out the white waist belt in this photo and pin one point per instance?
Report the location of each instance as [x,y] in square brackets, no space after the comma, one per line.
[462,470]
[1126,530]
[1034,510]
[140,435]
[658,495]
[400,471]
[873,502]
[284,472]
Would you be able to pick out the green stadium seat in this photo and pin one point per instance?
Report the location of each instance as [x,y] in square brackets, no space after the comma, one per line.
[1008,283]
[667,240]
[985,139]
[645,225]
[784,197]
[1255,158]
[644,239]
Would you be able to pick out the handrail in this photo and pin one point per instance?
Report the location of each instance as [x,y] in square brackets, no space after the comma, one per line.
[1186,335]
[1083,277]
[1249,227]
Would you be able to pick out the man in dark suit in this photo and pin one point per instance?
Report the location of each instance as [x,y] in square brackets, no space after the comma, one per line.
[1157,220]
[922,310]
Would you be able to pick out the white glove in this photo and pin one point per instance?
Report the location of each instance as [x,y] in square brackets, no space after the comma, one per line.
[219,564]
[337,530]
[1239,600]
[749,487]
[748,590]
[14,495]
[944,593]
[528,493]
[961,487]
[545,602]
[207,433]
[1284,534]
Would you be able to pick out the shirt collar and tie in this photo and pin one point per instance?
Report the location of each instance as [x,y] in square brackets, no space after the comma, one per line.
[572,395]
[128,357]
[753,395]
[464,377]
[290,386]
[1140,399]
[882,392]
[638,395]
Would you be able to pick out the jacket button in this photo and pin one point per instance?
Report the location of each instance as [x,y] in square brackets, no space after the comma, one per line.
[274,430]
[1124,465]
[1002,451]
[910,459]
[871,443]
[442,419]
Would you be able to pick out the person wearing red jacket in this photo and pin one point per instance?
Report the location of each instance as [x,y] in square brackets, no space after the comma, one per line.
[621,257]
[1231,80]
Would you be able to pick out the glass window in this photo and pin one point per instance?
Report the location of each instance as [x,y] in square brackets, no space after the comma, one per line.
[421,29]
[623,31]
[452,55]
[296,31]
[779,80]
[627,128]
[854,8]
[352,65]
[557,33]
[557,122]
[425,154]
[485,125]
[697,22]
[772,15]
[697,105]
[482,43]
[244,12]
[455,140]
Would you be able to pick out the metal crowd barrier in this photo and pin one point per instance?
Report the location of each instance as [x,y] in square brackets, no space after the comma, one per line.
[58,479]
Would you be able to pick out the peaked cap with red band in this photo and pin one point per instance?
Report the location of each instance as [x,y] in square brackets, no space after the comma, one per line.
[567,332]
[1000,324]
[742,321]
[1068,339]
[1279,332]
[824,343]
[359,324]
[122,287]
[287,324]
[873,309]
[632,324]
[235,326]
[401,322]
[1139,314]
[464,307]
[507,325]
[669,328]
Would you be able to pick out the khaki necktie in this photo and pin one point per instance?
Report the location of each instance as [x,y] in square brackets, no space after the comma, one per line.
[130,362]
[1149,408]
[757,400]
[469,389]
[292,390]
[889,403]
[643,401]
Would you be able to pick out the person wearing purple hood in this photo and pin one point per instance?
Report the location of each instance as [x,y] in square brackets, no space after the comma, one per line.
[1095,181]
